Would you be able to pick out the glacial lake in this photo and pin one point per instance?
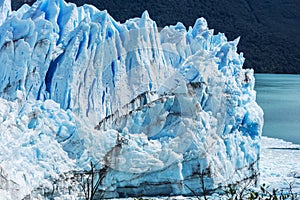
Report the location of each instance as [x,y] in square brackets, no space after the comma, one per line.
[279,96]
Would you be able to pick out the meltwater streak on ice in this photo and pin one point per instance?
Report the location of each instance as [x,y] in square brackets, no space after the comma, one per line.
[279,96]
[166,105]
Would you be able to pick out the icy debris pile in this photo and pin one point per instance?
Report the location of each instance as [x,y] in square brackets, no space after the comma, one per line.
[154,109]
[277,168]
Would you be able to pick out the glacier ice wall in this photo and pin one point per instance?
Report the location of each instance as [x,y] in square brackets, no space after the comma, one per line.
[157,109]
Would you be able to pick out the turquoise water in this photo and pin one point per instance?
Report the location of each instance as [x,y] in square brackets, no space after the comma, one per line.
[279,96]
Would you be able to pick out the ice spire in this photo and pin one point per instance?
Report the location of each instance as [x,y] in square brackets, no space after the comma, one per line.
[5,10]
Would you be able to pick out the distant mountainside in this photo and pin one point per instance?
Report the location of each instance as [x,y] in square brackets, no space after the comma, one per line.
[269,30]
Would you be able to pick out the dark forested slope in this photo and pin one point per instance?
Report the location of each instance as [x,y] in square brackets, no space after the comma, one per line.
[269,29]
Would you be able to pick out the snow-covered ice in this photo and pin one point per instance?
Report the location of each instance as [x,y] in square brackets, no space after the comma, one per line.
[154,109]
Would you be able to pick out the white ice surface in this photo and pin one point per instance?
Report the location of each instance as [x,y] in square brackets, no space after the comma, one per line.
[280,164]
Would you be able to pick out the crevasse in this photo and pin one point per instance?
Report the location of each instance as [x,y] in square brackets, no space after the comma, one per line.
[156,109]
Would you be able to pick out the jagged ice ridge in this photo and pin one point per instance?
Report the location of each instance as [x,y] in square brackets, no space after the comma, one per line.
[154,108]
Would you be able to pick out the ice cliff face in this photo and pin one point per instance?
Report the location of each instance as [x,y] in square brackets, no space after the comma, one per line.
[153,110]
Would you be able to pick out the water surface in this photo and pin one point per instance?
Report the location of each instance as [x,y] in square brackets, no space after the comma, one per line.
[279,96]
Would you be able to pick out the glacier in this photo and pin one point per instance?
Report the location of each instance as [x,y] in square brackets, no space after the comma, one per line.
[158,110]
